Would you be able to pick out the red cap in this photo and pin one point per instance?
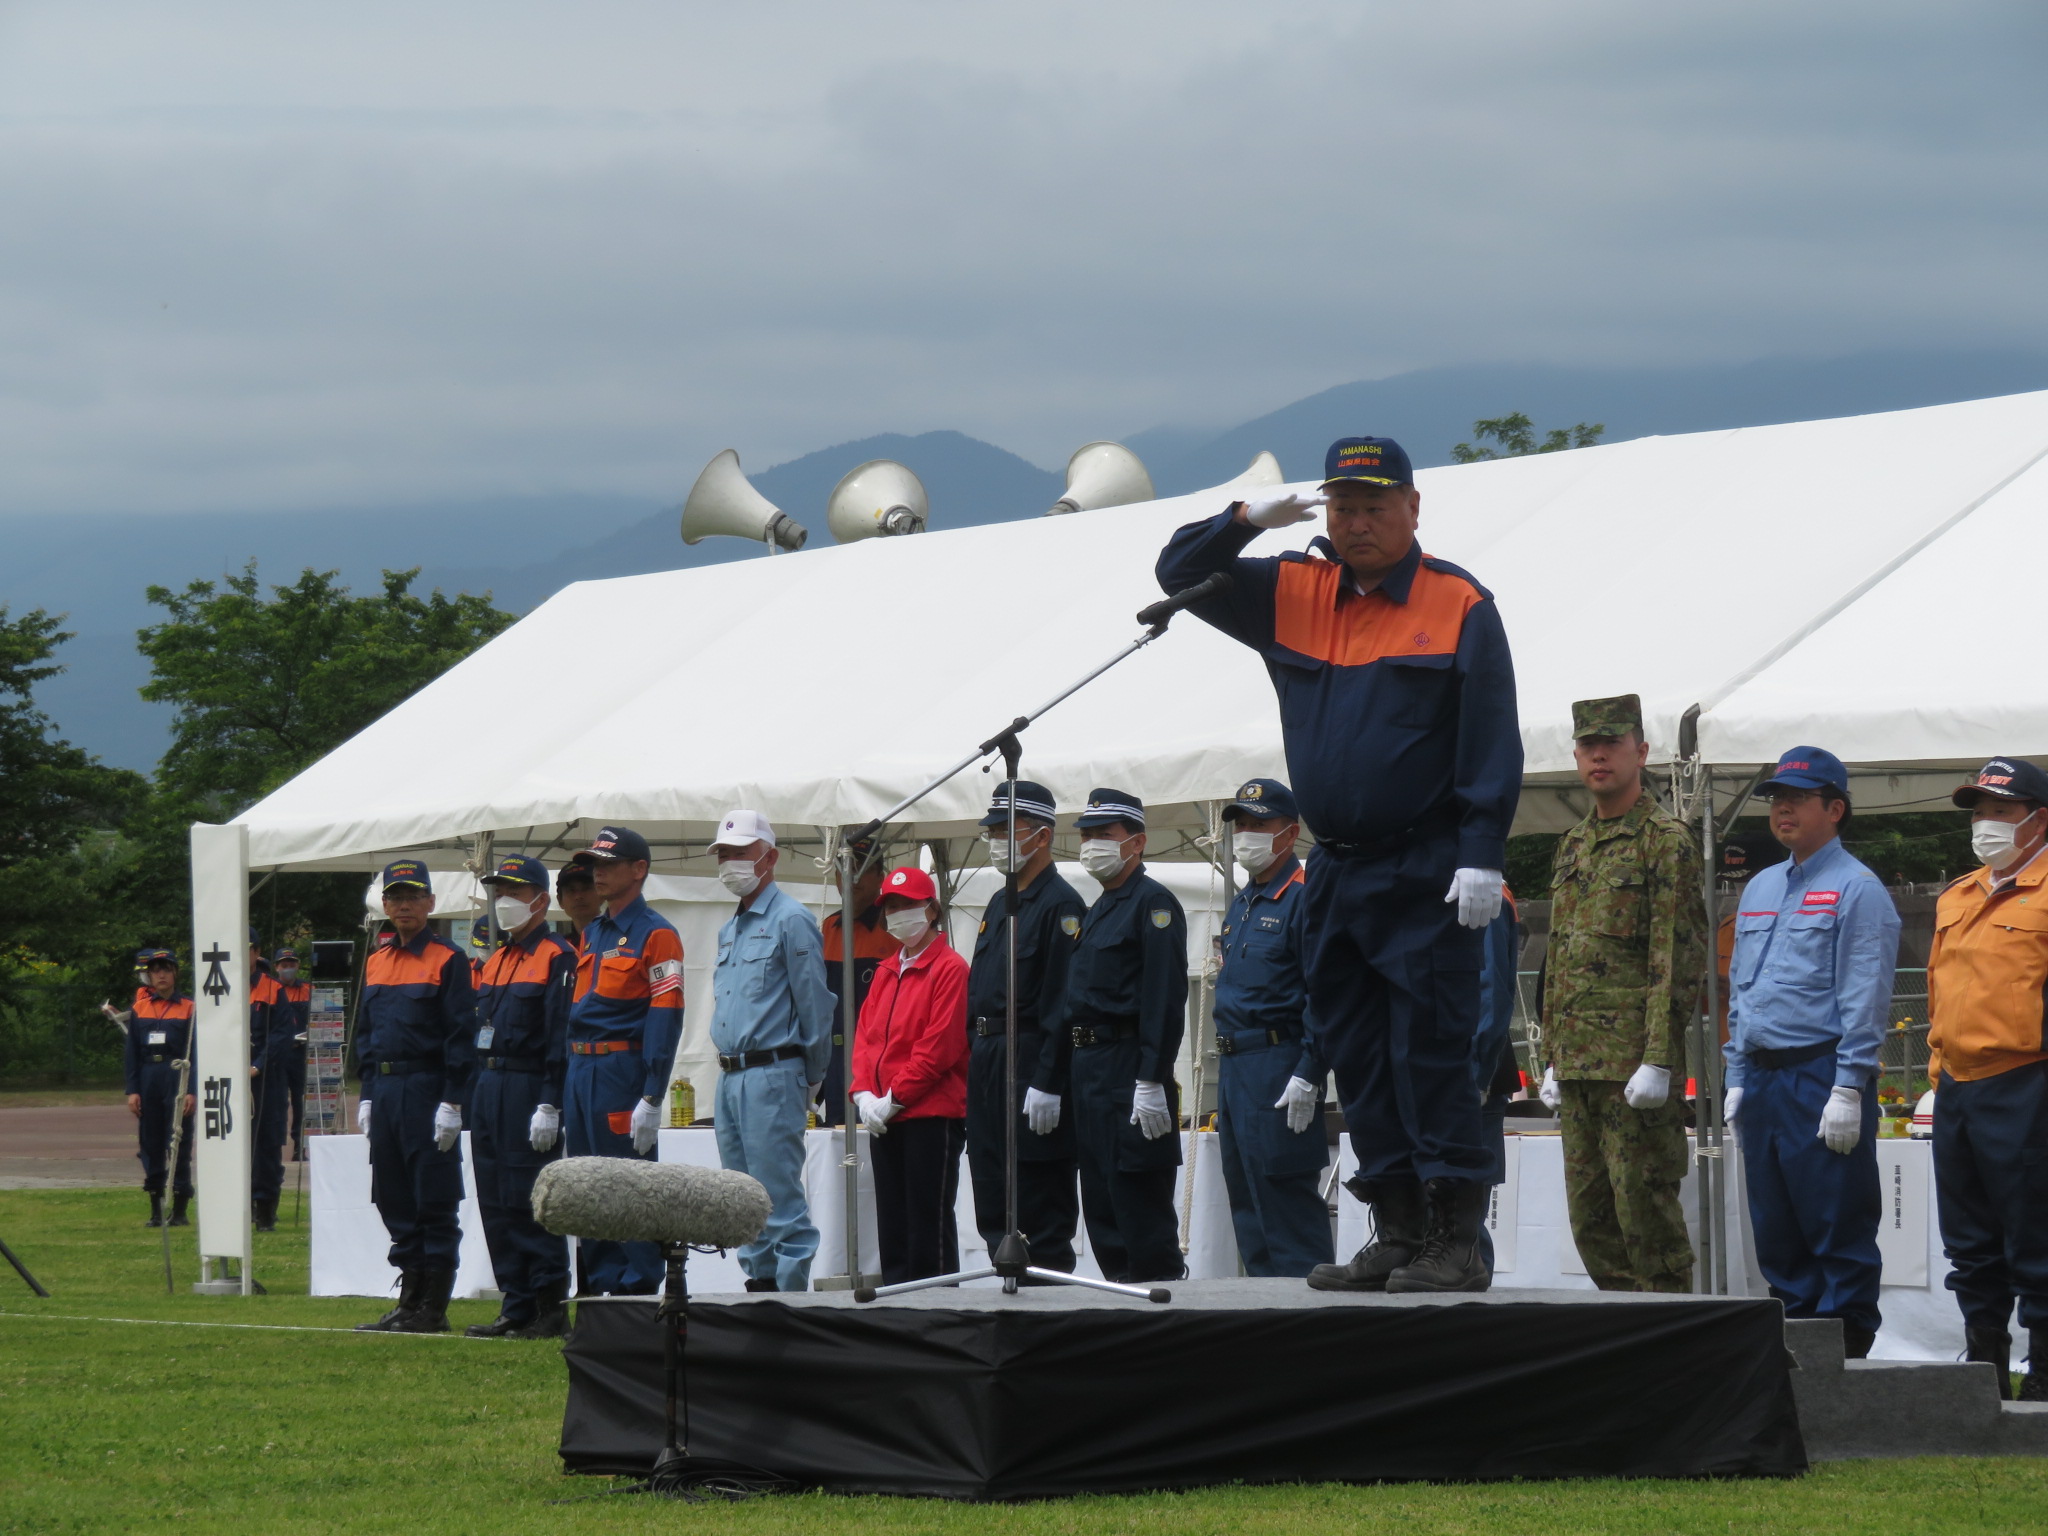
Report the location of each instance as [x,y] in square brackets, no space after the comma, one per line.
[914,883]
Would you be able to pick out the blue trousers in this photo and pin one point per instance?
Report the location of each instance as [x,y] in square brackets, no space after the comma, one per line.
[760,1119]
[153,1132]
[597,1107]
[1991,1176]
[416,1189]
[1273,1175]
[1126,1181]
[1393,982]
[1815,1212]
[525,1256]
[1048,1198]
[270,1096]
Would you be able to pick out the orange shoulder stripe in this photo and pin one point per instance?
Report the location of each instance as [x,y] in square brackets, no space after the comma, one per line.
[1313,615]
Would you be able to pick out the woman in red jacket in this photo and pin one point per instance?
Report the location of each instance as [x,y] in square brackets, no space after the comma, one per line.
[910,1083]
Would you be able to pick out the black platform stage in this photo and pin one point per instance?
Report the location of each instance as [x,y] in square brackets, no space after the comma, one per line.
[972,1394]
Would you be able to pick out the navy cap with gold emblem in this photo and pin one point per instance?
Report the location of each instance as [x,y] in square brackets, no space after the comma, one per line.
[1370,460]
[1262,799]
[1031,800]
[518,869]
[1108,806]
[2005,778]
[407,875]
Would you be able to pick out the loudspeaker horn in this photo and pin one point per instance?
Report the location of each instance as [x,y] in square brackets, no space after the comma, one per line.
[723,503]
[1260,473]
[875,500]
[1103,475]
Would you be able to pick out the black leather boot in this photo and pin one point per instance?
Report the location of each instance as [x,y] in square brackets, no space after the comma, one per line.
[430,1315]
[1992,1346]
[156,1211]
[1399,1219]
[1856,1340]
[761,1283]
[178,1216]
[408,1298]
[497,1328]
[1450,1258]
[552,1321]
[2034,1385]
[266,1215]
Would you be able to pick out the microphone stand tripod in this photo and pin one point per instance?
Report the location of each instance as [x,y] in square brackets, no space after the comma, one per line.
[1011,1261]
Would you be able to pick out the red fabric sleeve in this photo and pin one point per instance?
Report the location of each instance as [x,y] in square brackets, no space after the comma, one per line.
[874,1012]
[939,1049]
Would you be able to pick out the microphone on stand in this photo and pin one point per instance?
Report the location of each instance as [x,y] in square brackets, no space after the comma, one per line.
[1158,615]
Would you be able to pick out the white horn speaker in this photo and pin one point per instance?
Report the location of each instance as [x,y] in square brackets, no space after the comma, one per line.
[722,503]
[1103,475]
[876,499]
[1260,473]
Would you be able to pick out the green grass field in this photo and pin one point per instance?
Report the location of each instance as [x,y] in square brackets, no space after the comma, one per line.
[142,1424]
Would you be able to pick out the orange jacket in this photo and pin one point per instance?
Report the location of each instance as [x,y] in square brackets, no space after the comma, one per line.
[1987,975]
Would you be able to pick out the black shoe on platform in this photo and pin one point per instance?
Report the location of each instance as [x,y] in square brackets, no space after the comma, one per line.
[1399,1220]
[178,1216]
[1856,1340]
[156,1211]
[1993,1347]
[408,1298]
[1450,1259]
[430,1314]
[552,1321]
[760,1285]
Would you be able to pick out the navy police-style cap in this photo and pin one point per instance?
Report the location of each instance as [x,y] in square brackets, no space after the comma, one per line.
[1108,806]
[2005,778]
[518,869]
[1371,460]
[400,874]
[145,958]
[620,843]
[1807,768]
[572,873]
[1262,799]
[1031,800]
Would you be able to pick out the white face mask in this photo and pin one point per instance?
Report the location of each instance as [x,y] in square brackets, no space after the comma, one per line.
[1997,843]
[512,913]
[907,926]
[287,974]
[737,876]
[1103,857]
[1006,857]
[1254,850]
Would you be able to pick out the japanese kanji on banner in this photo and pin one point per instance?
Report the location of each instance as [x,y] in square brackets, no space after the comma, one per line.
[220,996]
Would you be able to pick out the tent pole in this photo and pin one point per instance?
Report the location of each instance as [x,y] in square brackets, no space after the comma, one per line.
[1709,1129]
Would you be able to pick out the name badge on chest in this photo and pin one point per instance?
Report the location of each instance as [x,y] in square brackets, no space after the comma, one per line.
[159,1037]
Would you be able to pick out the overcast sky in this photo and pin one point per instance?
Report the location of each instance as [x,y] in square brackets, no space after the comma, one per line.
[282,254]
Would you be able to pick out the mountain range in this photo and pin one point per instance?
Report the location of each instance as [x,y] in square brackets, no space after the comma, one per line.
[94,567]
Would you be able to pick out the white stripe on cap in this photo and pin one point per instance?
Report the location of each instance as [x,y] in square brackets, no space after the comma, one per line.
[1038,808]
[1122,812]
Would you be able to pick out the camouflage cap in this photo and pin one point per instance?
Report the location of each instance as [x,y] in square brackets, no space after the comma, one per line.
[1607,717]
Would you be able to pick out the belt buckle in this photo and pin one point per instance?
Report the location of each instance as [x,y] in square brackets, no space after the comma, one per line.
[1083,1037]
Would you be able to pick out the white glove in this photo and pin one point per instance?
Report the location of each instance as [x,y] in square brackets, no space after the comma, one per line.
[447,1126]
[1551,1095]
[1841,1121]
[1300,1099]
[879,1113]
[1731,1107]
[863,1105]
[1148,1111]
[362,1117]
[543,1129]
[1041,1112]
[1477,893]
[1648,1087]
[646,1126]
[1277,506]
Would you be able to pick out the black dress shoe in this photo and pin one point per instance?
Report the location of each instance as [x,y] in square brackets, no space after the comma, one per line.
[496,1328]
[760,1285]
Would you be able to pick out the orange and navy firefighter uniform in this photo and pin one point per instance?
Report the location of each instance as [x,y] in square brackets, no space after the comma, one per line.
[415,1050]
[1987,990]
[298,996]
[159,1039]
[272,1024]
[624,1026]
[1397,710]
[522,1048]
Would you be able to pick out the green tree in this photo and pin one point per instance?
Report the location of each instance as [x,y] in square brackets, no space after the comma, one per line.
[1515,435]
[267,683]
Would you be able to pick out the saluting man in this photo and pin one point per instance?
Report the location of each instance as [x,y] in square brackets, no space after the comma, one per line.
[415,1054]
[1621,980]
[522,1047]
[1397,707]
[623,1030]
[159,1044]
[1125,1014]
[1816,941]
[1049,913]
[1269,1077]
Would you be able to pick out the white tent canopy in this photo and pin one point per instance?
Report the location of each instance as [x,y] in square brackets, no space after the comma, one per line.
[1799,583]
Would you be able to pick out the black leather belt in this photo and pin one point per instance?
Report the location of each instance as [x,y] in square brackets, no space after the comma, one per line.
[1230,1042]
[163,1058]
[1101,1034]
[992,1029]
[514,1064]
[406,1068]
[1792,1055]
[747,1059]
[1382,847]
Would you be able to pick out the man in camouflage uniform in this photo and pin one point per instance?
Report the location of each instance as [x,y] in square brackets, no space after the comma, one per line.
[1621,983]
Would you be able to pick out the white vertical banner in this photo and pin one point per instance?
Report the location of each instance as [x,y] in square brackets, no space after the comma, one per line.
[1902,1226]
[220,996]
[1504,1210]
